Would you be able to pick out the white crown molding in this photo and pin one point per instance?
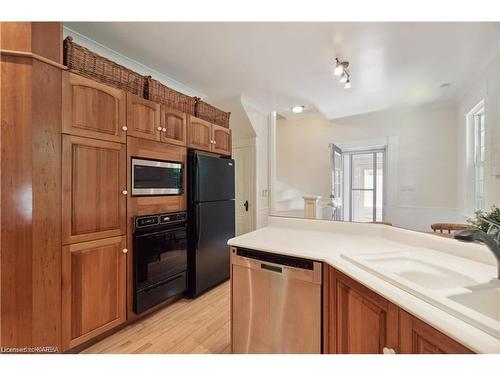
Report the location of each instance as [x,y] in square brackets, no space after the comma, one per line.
[130,63]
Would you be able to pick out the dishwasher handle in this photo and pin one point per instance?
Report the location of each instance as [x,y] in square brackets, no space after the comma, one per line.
[269,267]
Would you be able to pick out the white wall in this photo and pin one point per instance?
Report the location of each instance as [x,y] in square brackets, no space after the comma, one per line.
[484,85]
[421,164]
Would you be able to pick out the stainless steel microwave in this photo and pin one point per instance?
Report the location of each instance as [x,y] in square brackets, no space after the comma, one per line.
[156,177]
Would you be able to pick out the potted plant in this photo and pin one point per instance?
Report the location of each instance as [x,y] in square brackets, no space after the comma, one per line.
[488,222]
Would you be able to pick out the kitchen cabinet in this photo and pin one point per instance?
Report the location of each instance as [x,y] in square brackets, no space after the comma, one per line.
[93,289]
[417,337]
[143,118]
[93,189]
[92,109]
[199,134]
[202,135]
[173,126]
[365,322]
[221,140]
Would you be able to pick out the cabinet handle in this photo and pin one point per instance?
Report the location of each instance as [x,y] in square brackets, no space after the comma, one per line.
[124,192]
[124,128]
[124,251]
[159,128]
[215,142]
[387,350]
[164,129]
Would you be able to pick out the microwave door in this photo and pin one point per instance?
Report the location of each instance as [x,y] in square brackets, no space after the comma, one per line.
[154,177]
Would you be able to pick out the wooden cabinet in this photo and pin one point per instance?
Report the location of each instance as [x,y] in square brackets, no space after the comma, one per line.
[93,288]
[143,118]
[92,109]
[199,134]
[356,320]
[365,322]
[221,140]
[417,337]
[202,135]
[93,189]
[173,126]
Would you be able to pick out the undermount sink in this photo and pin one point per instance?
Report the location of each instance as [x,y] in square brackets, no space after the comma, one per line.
[484,301]
[423,273]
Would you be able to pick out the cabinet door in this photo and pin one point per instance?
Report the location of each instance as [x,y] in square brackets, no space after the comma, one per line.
[365,322]
[143,118]
[199,134]
[173,124]
[93,289]
[92,109]
[221,140]
[93,189]
[418,337]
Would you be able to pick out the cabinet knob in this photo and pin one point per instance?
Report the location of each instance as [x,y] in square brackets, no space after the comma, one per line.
[124,251]
[124,128]
[159,128]
[124,192]
[164,129]
[386,350]
[215,142]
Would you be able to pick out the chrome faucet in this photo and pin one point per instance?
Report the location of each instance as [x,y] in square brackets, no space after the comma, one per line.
[470,235]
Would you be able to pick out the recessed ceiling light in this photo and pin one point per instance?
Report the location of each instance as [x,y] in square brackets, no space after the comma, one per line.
[298,109]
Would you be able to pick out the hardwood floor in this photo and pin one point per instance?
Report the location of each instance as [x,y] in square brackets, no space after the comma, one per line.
[187,326]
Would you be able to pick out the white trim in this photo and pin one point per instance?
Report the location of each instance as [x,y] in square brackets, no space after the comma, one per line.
[130,63]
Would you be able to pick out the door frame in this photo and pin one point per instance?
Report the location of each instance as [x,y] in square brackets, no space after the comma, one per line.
[250,144]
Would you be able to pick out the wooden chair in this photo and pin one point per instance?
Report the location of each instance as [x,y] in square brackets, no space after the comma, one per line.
[447,229]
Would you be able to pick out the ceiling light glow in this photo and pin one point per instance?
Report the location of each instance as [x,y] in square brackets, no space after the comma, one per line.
[298,109]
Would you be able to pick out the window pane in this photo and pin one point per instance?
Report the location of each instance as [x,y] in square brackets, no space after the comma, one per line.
[362,171]
[380,186]
[362,205]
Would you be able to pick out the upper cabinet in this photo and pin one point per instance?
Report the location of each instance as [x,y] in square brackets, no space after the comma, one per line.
[93,189]
[173,126]
[221,140]
[199,134]
[202,135]
[92,109]
[143,118]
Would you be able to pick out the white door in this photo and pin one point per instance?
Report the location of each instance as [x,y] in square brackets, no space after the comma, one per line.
[244,183]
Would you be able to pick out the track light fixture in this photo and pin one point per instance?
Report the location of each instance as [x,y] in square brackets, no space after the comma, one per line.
[341,69]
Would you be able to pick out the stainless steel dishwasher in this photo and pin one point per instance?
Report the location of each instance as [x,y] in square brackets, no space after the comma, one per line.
[275,303]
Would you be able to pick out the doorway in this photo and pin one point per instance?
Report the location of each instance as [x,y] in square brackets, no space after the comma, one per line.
[244,174]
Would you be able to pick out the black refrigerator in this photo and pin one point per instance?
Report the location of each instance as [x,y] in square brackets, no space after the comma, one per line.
[210,220]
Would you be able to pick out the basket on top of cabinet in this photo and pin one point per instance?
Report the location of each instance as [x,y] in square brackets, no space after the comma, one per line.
[89,64]
[211,114]
[160,93]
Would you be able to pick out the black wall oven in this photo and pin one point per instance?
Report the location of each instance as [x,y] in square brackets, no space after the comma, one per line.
[156,177]
[160,258]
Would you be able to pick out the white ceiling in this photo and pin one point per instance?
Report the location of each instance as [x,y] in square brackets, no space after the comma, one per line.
[278,65]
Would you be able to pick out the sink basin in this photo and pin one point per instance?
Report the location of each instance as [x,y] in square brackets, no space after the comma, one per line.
[420,272]
[484,301]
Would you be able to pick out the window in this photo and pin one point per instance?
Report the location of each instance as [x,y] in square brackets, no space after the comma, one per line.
[366,185]
[477,118]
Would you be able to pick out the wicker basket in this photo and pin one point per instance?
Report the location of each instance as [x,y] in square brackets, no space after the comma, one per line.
[158,92]
[212,114]
[89,64]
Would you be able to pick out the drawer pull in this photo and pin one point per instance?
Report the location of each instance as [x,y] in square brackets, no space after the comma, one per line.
[387,350]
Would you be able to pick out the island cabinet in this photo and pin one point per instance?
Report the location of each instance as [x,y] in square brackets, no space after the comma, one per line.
[205,136]
[357,320]
[92,109]
[364,322]
[93,289]
[93,189]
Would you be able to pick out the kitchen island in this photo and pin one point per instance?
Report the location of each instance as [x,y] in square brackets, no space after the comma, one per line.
[393,283]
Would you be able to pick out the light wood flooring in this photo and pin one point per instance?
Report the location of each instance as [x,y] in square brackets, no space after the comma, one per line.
[186,326]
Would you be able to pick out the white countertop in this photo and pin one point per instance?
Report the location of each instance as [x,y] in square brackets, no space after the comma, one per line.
[326,241]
